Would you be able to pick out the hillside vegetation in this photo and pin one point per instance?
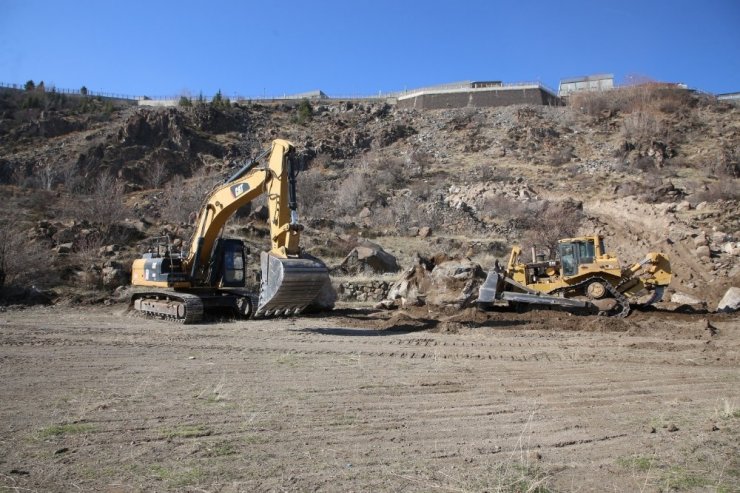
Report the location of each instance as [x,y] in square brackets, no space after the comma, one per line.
[652,167]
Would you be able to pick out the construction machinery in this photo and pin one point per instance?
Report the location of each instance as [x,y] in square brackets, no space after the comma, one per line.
[212,275]
[583,276]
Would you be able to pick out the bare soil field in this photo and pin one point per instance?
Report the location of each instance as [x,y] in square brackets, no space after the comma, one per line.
[96,399]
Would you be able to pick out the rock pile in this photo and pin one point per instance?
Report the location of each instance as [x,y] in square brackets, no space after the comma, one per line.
[358,290]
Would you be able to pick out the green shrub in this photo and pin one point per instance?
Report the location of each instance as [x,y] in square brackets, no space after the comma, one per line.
[305,112]
[220,102]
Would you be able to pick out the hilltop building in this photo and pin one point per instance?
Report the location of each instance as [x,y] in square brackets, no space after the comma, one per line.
[477,94]
[596,82]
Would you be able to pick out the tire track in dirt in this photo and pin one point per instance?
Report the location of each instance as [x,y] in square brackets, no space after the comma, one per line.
[333,410]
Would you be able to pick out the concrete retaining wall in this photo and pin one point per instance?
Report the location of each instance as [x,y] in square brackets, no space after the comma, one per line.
[479,98]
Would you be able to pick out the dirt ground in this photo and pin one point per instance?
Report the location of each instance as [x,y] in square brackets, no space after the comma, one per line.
[95,399]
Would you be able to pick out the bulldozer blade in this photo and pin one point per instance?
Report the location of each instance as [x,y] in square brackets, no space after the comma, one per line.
[289,285]
[541,299]
[489,290]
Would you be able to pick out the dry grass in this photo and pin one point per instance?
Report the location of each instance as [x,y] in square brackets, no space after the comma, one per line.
[728,409]
[23,263]
[644,96]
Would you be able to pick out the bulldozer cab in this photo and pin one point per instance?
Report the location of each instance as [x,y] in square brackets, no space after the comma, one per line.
[577,252]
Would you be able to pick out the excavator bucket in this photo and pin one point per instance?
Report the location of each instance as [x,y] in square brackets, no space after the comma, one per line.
[289,285]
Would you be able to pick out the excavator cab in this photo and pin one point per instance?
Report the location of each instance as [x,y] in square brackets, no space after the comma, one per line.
[227,265]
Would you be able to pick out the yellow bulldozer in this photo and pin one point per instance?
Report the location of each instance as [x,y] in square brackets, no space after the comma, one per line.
[583,276]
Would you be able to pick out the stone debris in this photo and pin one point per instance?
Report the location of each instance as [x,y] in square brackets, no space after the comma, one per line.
[684,299]
[730,302]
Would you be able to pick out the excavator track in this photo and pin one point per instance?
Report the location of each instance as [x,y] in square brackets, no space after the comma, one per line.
[184,308]
[622,301]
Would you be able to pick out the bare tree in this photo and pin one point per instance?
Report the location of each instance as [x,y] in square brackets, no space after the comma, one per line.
[87,255]
[422,160]
[157,174]
[47,175]
[352,193]
[103,205]
[183,197]
[311,200]
[70,177]
[556,221]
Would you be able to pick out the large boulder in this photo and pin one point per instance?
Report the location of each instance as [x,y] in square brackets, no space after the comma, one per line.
[730,302]
[114,275]
[440,282]
[410,289]
[703,252]
[368,258]
[455,284]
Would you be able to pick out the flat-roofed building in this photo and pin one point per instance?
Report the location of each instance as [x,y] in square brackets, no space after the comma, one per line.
[596,82]
[477,94]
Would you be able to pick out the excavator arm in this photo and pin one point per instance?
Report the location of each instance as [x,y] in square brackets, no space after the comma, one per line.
[290,279]
[277,180]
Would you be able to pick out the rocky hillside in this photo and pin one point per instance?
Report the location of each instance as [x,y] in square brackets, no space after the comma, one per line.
[652,167]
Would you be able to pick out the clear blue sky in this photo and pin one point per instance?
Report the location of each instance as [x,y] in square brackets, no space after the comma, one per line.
[255,48]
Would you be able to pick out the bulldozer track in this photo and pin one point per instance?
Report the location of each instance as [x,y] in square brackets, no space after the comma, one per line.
[581,287]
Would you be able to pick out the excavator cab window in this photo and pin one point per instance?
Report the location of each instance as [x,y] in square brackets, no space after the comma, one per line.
[227,264]
[233,266]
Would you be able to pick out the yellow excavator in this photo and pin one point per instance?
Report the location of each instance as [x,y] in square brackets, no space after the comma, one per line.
[582,277]
[211,275]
